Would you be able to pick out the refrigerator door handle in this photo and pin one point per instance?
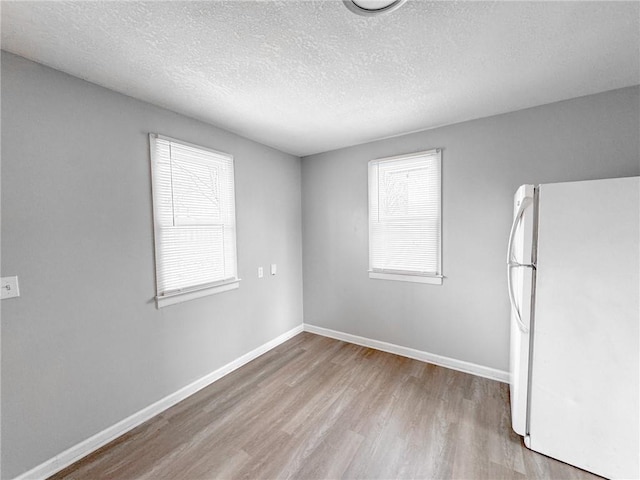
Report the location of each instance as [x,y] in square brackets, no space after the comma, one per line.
[514,227]
[511,262]
[514,305]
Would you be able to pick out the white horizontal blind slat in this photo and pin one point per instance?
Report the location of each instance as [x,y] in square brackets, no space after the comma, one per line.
[404,214]
[194,211]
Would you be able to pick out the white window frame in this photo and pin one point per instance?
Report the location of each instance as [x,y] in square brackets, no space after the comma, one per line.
[166,298]
[429,277]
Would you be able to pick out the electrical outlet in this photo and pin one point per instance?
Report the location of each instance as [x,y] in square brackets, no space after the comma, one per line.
[260,272]
[9,287]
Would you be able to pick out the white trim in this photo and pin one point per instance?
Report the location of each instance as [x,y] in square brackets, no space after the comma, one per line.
[82,449]
[178,297]
[375,164]
[436,280]
[406,156]
[192,145]
[460,365]
[209,287]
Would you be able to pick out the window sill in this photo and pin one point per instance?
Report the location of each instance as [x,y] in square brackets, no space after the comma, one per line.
[406,278]
[179,297]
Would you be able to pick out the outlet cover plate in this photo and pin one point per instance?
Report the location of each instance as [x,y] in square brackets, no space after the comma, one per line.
[9,287]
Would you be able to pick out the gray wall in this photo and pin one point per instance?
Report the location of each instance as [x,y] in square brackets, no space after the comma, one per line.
[484,161]
[84,346]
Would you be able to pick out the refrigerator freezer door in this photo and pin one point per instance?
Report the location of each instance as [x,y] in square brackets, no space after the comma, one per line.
[585,406]
[520,251]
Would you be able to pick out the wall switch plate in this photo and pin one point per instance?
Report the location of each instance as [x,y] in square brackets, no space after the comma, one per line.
[273,269]
[9,287]
[260,272]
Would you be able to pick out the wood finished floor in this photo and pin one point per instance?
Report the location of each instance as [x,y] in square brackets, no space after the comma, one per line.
[320,408]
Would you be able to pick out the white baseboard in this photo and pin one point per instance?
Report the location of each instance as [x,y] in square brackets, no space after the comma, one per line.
[460,365]
[82,449]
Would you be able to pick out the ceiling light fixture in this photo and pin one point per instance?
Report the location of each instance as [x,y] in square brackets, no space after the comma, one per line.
[372,7]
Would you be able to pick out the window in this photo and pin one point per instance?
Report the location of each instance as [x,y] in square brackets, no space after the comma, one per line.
[194,220]
[405,218]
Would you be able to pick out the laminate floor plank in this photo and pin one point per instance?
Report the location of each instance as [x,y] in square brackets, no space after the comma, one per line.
[317,408]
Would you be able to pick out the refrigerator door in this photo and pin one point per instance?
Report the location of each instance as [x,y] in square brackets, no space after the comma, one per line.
[584,407]
[519,282]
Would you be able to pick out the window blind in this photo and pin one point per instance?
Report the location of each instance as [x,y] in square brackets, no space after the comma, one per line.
[405,214]
[194,212]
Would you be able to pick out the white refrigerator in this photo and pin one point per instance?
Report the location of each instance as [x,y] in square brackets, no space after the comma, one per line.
[573,267]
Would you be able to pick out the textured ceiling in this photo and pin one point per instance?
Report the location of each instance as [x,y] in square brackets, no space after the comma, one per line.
[310,76]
